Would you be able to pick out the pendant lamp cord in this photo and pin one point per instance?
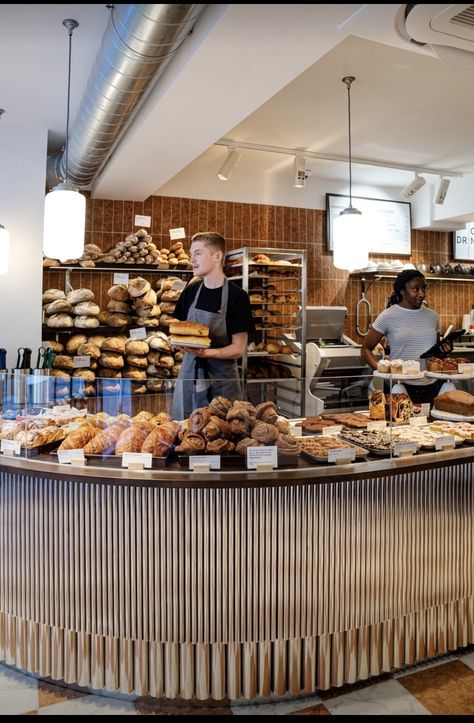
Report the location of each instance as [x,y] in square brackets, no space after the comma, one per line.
[71,25]
[348,81]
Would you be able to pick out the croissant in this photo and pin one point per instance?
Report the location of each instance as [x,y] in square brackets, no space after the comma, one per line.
[132,438]
[266,412]
[104,442]
[216,428]
[219,405]
[264,433]
[79,437]
[192,444]
[220,446]
[199,418]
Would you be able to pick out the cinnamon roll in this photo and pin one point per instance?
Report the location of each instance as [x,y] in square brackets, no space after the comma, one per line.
[266,412]
[264,433]
[198,419]
[286,444]
[220,446]
[219,405]
[192,444]
[216,428]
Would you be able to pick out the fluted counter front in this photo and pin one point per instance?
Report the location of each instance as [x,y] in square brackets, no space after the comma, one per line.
[211,587]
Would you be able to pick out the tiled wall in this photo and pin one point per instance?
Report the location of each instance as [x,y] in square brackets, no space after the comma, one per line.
[244,224]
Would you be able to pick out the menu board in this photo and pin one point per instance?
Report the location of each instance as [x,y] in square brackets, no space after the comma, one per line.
[389,222]
[463,243]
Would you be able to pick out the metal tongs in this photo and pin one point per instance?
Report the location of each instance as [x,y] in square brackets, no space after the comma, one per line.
[363,301]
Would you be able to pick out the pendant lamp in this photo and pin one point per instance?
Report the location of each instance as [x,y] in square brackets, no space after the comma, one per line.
[4,249]
[64,206]
[350,237]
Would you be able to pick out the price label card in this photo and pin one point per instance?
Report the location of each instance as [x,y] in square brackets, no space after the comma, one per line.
[211,460]
[332,431]
[344,455]
[178,285]
[81,361]
[177,233]
[377,424]
[10,446]
[66,456]
[465,368]
[418,421]
[402,449]
[425,409]
[144,221]
[121,278]
[257,456]
[138,333]
[136,459]
[445,441]
[59,409]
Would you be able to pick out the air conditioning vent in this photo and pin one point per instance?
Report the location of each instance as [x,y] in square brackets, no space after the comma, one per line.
[466,17]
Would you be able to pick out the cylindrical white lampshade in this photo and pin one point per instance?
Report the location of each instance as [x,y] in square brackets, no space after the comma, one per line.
[4,249]
[350,241]
[64,224]
[229,164]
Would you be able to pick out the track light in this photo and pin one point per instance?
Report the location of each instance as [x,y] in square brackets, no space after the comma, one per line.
[229,164]
[442,189]
[415,185]
[299,171]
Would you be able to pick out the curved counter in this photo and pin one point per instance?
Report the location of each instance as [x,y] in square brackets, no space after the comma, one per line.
[234,583]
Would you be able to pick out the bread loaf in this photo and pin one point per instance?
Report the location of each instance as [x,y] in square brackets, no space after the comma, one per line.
[138,286]
[119,292]
[73,344]
[56,346]
[58,306]
[53,294]
[111,360]
[189,328]
[89,349]
[77,295]
[455,402]
[184,340]
[86,322]
[136,346]
[113,343]
[87,308]
[120,306]
[60,321]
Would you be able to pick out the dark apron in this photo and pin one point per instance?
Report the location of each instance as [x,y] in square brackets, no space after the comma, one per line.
[199,379]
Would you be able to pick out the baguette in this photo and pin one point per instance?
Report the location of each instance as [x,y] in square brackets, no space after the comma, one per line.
[184,340]
[189,328]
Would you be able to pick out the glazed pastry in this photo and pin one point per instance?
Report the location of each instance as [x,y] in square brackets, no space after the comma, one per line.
[241,447]
[264,433]
[220,446]
[266,412]
[199,418]
[216,428]
[219,405]
[192,444]
[286,444]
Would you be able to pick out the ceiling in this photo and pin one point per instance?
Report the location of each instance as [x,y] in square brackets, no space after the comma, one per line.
[267,75]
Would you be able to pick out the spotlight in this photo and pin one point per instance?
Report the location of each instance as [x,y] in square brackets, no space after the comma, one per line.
[441,191]
[299,171]
[229,164]
[417,183]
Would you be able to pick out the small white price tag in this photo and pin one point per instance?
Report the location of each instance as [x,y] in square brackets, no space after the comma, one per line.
[67,456]
[376,424]
[262,456]
[10,447]
[466,368]
[332,431]
[418,421]
[177,233]
[81,361]
[344,455]
[446,441]
[144,221]
[403,449]
[121,278]
[178,285]
[210,461]
[60,408]
[136,460]
[138,333]
[425,409]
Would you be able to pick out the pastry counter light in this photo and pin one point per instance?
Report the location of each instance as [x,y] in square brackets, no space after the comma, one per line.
[4,249]
[64,206]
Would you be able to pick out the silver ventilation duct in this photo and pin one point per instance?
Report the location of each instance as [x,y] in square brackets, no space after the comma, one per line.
[139,42]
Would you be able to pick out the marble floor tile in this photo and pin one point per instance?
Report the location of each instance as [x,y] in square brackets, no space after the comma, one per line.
[444,690]
[426,665]
[18,692]
[319,709]
[386,698]
[90,705]
[50,694]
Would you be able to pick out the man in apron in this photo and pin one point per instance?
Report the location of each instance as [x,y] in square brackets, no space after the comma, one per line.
[225,308]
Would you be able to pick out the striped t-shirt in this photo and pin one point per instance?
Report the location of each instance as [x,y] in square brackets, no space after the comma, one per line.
[409,332]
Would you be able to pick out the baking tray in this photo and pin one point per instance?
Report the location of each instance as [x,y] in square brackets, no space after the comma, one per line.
[316,459]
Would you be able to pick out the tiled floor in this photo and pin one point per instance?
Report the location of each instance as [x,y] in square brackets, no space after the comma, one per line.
[443,686]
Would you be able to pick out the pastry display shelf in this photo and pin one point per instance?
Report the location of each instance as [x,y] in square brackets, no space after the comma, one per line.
[118,268]
[376,275]
[111,330]
[252,277]
[451,377]
[403,377]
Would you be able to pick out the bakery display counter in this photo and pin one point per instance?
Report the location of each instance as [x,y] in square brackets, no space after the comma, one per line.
[186,581]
